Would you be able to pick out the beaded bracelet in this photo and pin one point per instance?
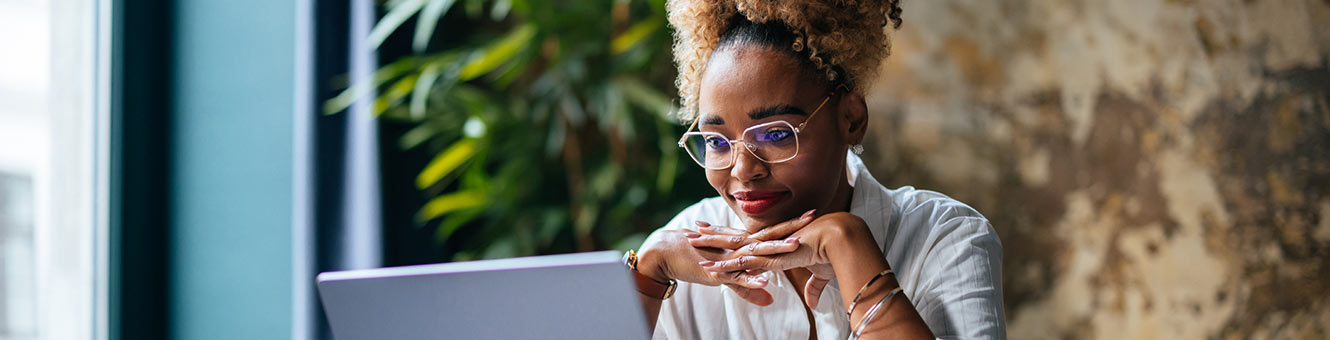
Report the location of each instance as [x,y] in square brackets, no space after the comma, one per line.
[855,301]
[872,311]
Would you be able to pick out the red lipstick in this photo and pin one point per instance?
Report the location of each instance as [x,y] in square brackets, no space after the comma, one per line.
[756,202]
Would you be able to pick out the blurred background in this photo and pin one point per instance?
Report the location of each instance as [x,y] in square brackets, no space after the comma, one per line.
[183,169]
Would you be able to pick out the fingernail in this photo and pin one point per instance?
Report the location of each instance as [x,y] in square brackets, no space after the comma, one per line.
[702,224]
[759,280]
[691,235]
[808,214]
[792,240]
[706,263]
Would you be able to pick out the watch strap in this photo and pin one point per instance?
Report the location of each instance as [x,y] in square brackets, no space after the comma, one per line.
[646,285]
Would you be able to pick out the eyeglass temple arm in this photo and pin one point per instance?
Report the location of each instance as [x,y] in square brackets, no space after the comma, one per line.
[815,111]
[690,128]
[839,87]
[801,125]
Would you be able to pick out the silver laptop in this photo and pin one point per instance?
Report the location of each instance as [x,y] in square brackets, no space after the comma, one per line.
[572,296]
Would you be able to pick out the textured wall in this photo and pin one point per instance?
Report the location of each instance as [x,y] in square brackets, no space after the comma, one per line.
[1156,169]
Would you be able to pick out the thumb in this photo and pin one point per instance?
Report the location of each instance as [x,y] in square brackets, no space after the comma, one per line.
[756,296]
[813,291]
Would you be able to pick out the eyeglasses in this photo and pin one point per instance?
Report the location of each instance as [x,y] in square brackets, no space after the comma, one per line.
[771,142]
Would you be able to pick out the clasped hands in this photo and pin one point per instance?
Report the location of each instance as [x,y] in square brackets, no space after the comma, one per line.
[736,258]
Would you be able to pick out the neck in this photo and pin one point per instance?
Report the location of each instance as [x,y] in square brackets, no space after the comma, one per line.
[841,200]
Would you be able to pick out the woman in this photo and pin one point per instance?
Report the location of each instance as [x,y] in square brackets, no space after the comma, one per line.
[802,242]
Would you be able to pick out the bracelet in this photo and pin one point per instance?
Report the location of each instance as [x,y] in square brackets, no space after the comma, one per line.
[872,311]
[855,301]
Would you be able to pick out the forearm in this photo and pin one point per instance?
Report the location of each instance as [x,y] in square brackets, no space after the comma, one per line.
[855,258]
[650,307]
[649,264]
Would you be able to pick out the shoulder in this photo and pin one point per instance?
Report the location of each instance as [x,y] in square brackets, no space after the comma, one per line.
[913,201]
[930,231]
[937,213]
[950,261]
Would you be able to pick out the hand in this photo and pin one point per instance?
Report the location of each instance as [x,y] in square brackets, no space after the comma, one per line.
[667,255]
[726,238]
[804,249]
[732,239]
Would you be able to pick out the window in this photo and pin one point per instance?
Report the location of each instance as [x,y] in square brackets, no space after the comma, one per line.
[51,170]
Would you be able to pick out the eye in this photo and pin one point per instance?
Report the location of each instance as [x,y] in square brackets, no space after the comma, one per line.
[714,142]
[775,135]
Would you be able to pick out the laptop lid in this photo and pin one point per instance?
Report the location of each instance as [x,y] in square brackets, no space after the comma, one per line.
[571,296]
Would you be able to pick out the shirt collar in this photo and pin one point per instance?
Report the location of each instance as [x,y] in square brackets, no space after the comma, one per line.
[869,200]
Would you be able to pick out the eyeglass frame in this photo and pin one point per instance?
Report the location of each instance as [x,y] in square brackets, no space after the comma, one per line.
[797,130]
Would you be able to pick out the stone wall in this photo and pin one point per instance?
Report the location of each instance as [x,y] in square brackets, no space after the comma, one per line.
[1156,169]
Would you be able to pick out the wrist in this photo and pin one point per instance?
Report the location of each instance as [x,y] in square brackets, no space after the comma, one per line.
[850,242]
[845,232]
[649,264]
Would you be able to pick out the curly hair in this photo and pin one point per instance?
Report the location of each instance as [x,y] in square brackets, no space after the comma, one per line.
[844,39]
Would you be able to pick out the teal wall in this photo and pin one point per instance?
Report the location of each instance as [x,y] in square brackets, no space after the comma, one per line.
[231,191]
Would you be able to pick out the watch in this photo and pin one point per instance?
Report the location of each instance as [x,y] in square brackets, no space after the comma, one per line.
[646,285]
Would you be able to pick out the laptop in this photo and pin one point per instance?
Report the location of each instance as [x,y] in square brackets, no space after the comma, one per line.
[571,296]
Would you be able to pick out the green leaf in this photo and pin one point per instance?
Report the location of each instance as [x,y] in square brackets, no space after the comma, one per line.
[455,221]
[554,140]
[605,178]
[420,95]
[365,87]
[445,162]
[395,93]
[585,221]
[645,97]
[503,247]
[450,202]
[395,17]
[417,135]
[500,9]
[635,34]
[494,55]
[473,7]
[429,18]
[669,157]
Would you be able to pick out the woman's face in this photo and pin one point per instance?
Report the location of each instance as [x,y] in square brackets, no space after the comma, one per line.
[743,86]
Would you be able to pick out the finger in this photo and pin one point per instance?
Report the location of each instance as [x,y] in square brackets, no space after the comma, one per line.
[813,291]
[717,241]
[721,230]
[738,264]
[758,297]
[769,247]
[739,278]
[785,229]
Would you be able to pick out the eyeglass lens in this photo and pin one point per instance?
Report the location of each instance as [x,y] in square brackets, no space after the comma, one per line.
[771,142]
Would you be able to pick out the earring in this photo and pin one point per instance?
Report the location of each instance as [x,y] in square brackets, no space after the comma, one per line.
[858,149]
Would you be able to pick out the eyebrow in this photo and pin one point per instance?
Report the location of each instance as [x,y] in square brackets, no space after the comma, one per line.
[761,113]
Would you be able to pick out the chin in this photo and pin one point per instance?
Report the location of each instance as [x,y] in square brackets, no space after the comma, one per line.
[753,223]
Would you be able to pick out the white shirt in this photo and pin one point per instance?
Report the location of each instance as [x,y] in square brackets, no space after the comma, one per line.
[946,257]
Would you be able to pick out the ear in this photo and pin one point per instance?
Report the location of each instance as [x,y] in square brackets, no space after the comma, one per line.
[853,112]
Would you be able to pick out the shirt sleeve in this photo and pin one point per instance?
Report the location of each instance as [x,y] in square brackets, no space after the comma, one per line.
[960,292]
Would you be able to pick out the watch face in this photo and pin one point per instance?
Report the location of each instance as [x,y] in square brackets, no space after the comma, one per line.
[630,259]
[669,291]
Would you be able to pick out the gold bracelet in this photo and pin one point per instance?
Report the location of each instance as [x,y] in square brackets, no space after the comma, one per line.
[855,301]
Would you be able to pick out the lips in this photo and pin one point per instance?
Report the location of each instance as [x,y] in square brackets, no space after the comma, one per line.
[756,202]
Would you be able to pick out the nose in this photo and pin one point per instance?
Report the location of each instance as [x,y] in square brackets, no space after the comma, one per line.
[747,167]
